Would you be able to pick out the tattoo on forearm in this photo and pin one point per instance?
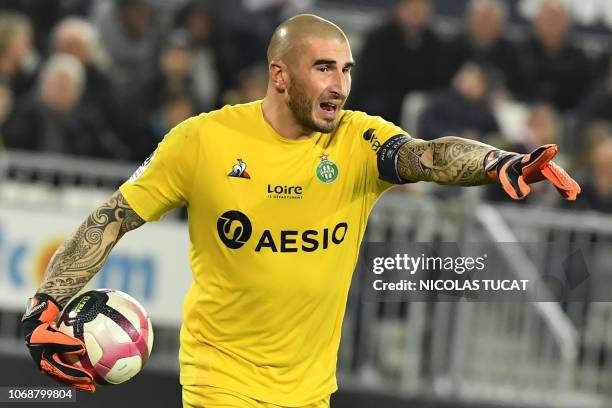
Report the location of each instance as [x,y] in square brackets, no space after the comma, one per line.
[447,160]
[82,255]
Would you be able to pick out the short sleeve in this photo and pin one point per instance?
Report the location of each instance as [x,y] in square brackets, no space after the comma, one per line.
[381,140]
[165,179]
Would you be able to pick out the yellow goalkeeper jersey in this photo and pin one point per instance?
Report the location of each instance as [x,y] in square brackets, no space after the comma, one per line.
[275,227]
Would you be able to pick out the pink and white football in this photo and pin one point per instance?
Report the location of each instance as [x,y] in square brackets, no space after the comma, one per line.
[116,330]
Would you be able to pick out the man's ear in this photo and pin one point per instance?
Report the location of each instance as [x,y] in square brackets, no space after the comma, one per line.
[279,76]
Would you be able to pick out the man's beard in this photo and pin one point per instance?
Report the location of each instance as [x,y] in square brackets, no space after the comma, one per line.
[301,107]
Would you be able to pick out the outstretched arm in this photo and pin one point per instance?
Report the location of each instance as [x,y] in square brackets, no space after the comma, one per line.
[83,254]
[464,162]
[447,160]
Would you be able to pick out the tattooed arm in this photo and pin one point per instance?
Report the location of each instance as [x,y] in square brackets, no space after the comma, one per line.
[447,160]
[82,255]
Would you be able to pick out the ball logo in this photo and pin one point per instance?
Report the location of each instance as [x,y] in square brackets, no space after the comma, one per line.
[234,229]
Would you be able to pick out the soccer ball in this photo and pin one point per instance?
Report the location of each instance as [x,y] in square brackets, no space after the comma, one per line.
[116,330]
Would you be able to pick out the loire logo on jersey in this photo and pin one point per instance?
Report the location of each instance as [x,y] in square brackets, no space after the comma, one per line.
[234,229]
[326,171]
[239,170]
[285,192]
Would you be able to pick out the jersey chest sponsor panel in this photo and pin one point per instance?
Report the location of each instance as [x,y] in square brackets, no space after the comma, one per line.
[280,230]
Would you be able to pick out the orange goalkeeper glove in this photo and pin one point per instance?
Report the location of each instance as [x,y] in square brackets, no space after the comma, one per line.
[46,343]
[516,171]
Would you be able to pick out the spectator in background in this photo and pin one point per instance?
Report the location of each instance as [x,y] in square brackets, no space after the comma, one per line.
[79,38]
[173,73]
[54,119]
[174,107]
[6,107]
[173,77]
[219,53]
[543,127]
[17,68]
[253,83]
[596,106]
[558,72]
[463,111]
[129,33]
[597,188]
[591,136]
[483,42]
[401,56]
[44,15]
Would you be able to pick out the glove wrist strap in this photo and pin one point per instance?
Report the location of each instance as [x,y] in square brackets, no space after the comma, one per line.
[41,307]
[493,161]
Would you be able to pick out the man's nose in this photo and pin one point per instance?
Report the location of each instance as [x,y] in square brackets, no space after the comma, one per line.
[340,85]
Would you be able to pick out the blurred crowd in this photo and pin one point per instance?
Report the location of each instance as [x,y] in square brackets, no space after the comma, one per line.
[515,92]
[108,78]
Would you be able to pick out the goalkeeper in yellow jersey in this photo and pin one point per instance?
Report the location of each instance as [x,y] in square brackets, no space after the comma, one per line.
[278,193]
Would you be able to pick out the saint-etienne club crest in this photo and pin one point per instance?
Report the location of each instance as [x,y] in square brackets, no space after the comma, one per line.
[326,171]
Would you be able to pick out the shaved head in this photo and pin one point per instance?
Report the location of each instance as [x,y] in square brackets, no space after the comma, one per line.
[292,33]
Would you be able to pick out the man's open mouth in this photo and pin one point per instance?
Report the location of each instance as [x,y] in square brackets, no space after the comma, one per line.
[328,106]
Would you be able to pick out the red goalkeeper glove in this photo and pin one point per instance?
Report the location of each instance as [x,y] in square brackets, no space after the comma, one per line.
[46,343]
[516,171]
